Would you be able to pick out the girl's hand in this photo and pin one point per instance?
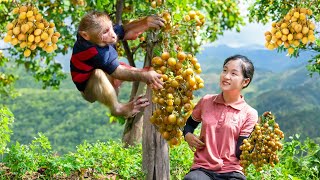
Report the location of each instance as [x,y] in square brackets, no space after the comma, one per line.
[194,142]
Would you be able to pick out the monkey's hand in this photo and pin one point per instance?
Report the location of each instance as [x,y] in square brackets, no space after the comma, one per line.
[135,28]
[154,22]
[153,80]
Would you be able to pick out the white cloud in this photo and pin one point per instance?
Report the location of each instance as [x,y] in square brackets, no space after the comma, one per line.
[252,34]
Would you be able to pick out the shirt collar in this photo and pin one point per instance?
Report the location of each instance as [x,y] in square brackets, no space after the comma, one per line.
[237,105]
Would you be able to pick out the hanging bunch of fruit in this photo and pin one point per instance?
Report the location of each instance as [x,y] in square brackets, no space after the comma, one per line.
[180,73]
[263,144]
[30,30]
[295,30]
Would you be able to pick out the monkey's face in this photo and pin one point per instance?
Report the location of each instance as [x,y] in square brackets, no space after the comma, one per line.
[105,35]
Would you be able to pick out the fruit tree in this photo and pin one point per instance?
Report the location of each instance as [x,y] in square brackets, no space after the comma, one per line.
[295,27]
[35,32]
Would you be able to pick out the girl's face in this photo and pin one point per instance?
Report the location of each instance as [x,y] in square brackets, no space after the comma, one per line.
[231,77]
[105,35]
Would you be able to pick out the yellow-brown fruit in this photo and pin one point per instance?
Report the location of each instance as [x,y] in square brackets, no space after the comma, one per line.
[16,30]
[290,37]
[14,41]
[23,15]
[21,37]
[29,14]
[298,28]
[153,4]
[285,31]
[187,18]
[302,16]
[172,61]
[296,14]
[181,56]
[192,14]
[31,38]
[284,38]
[15,10]
[49,49]
[293,19]
[311,38]
[309,12]
[10,33]
[284,25]
[7,39]
[296,43]
[23,9]
[38,17]
[299,36]
[25,28]
[50,31]
[304,40]
[303,10]
[165,56]
[305,30]
[52,25]
[9,26]
[33,47]
[44,36]
[40,26]
[37,32]
[270,46]
[286,44]
[23,45]
[267,33]
[290,50]
[27,53]
[312,26]
[268,38]
[37,39]
[54,39]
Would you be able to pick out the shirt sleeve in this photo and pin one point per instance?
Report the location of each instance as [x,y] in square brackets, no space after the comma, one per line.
[196,113]
[252,119]
[108,60]
[118,29]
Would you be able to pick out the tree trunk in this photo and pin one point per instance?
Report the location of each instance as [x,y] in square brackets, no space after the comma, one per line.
[132,133]
[155,156]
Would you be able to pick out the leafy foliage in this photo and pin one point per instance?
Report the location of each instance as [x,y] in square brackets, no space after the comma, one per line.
[99,160]
[6,121]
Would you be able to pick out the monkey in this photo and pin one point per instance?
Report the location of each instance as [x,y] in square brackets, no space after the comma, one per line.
[95,68]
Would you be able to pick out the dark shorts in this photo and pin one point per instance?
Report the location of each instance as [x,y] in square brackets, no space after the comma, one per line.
[204,174]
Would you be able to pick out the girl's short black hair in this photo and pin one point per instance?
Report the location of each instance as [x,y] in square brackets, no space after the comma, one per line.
[246,66]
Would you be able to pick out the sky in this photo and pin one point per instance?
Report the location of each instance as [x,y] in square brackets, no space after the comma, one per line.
[252,34]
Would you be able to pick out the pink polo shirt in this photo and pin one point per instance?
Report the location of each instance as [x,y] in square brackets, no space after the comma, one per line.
[221,127]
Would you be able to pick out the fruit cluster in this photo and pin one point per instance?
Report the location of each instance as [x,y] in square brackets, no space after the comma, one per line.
[197,16]
[180,74]
[293,30]
[78,2]
[262,145]
[155,3]
[30,30]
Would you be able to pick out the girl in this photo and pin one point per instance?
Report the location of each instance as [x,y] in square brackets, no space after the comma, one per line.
[226,121]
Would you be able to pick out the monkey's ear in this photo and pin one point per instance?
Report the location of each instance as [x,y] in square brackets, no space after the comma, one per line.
[85,35]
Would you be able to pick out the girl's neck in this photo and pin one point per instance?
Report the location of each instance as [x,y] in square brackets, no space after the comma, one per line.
[231,97]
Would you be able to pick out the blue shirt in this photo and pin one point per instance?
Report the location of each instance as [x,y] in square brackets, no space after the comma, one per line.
[87,57]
